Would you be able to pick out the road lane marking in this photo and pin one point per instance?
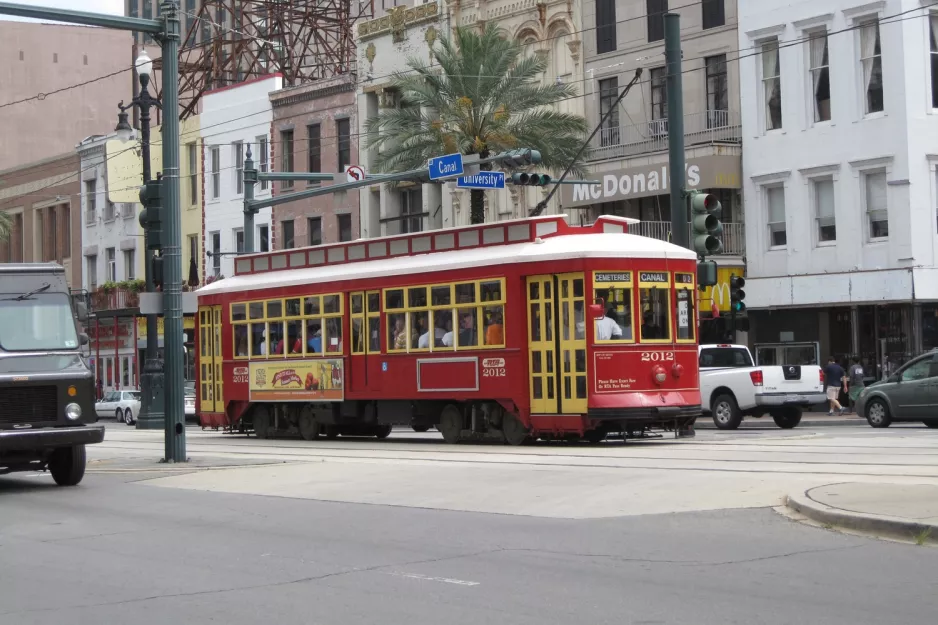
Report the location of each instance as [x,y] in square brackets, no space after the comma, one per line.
[445,580]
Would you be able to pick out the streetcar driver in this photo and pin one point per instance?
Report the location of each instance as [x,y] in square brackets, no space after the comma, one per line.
[607,328]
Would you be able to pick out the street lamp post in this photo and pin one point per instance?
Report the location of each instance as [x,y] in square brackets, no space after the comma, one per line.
[151,384]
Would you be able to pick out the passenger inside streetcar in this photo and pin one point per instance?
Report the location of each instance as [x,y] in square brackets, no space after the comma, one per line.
[467,329]
[447,339]
[314,337]
[424,341]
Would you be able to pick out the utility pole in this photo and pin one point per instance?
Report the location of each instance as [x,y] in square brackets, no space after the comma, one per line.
[250,179]
[672,55]
[173,343]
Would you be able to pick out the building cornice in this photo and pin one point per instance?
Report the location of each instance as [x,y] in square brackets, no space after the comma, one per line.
[311,94]
[398,20]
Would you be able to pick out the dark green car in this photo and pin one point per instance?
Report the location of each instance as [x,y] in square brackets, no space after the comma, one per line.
[909,394]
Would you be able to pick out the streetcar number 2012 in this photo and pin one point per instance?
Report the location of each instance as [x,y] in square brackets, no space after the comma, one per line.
[493,372]
[657,356]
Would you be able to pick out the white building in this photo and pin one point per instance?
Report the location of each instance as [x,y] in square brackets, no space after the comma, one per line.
[232,119]
[840,115]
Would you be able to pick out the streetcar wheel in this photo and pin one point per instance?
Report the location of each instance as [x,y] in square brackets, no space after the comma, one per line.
[309,427]
[383,431]
[514,431]
[451,424]
[725,410]
[261,422]
[421,428]
[595,436]
[788,417]
[332,432]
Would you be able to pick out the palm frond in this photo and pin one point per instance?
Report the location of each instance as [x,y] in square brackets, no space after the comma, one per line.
[6,225]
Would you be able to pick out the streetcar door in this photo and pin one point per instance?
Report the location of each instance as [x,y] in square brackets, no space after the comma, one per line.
[217,359]
[557,343]
[210,360]
[356,377]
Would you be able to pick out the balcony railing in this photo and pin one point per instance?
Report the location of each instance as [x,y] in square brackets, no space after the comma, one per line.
[116,299]
[734,234]
[652,136]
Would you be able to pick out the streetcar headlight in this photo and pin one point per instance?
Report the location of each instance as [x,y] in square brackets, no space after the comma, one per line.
[660,374]
[73,411]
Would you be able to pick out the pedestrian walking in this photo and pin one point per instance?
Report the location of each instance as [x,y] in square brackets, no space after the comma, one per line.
[834,380]
[855,382]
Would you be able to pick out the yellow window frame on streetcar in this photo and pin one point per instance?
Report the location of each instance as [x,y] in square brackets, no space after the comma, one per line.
[617,291]
[685,307]
[315,321]
[654,306]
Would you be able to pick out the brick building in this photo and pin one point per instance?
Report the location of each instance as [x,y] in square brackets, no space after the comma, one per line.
[314,130]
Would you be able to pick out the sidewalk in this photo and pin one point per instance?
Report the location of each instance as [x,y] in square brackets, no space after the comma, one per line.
[809,419]
[903,511]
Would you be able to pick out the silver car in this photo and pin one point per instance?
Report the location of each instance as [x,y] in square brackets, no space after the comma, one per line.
[910,394]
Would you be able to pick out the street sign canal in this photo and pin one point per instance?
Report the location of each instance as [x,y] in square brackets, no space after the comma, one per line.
[448,166]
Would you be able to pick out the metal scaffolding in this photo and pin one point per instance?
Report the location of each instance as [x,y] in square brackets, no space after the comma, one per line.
[229,41]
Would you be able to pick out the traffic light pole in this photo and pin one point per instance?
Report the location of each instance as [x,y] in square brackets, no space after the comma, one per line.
[672,55]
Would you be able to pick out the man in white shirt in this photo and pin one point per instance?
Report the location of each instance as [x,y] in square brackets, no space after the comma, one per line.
[438,333]
[607,328]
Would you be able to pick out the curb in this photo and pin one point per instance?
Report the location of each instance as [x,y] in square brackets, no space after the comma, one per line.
[893,527]
[706,423]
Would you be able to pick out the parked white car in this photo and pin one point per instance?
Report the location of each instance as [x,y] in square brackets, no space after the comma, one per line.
[124,405]
[731,387]
[190,401]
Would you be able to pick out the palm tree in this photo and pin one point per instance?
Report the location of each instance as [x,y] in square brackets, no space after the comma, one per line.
[6,225]
[479,95]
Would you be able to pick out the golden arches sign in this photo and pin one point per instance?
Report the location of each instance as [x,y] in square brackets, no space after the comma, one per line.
[720,293]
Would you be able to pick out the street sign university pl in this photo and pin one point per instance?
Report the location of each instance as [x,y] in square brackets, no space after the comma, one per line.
[482,180]
[448,166]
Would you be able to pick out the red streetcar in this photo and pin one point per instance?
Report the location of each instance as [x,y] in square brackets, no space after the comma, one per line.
[522,329]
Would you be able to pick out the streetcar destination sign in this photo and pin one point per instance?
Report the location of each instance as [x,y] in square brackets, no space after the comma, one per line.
[448,166]
[652,277]
[482,180]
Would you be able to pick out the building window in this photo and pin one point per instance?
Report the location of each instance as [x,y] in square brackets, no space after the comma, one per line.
[238,148]
[314,230]
[608,93]
[66,230]
[286,234]
[824,207]
[605,26]
[216,172]
[110,214]
[775,200]
[129,268]
[216,254]
[772,85]
[111,256]
[286,156]
[53,253]
[933,19]
[91,200]
[820,76]
[659,94]
[263,158]
[345,227]
[314,149]
[194,250]
[91,270]
[717,92]
[871,64]
[238,236]
[193,156]
[263,238]
[655,10]
[411,209]
[876,208]
[713,13]
[343,130]
[39,234]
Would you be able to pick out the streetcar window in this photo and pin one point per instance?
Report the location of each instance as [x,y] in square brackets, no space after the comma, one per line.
[294,337]
[241,341]
[293,307]
[420,329]
[311,305]
[394,299]
[358,337]
[443,327]
[330,304]
[417,297]
[275,337]
[578,287]
[491,291]
[468,335]
[465,293]
[614,290]
[238,313]
[397,332]
[358,305]
[313,337]
[258,339]
[654,306]
[374,302]
[256,310]
[374,335]
[334,334]
[274,309]
[684,300]
[493,325]
[441,295]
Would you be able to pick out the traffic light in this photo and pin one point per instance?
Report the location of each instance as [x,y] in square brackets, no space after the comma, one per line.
[531,180]
[151,217]
[737,294]
[706,274]
[518,158]
[707,212]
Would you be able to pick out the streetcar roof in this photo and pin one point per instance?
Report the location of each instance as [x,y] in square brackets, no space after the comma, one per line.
[587,245]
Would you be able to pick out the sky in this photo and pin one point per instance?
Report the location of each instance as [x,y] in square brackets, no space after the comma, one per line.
[115,7]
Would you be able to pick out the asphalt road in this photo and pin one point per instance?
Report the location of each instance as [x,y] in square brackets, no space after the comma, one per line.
[135,546]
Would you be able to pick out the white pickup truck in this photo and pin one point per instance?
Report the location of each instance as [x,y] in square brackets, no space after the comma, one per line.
[731,387]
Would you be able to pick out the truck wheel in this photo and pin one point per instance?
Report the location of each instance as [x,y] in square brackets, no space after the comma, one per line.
[67,465]
[725,411]
[309,427]
[877,414]
[383,431]
[788,417]
[261,422]
[451,423]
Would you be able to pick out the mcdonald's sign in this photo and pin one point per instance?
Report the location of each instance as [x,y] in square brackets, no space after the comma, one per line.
[720,293]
